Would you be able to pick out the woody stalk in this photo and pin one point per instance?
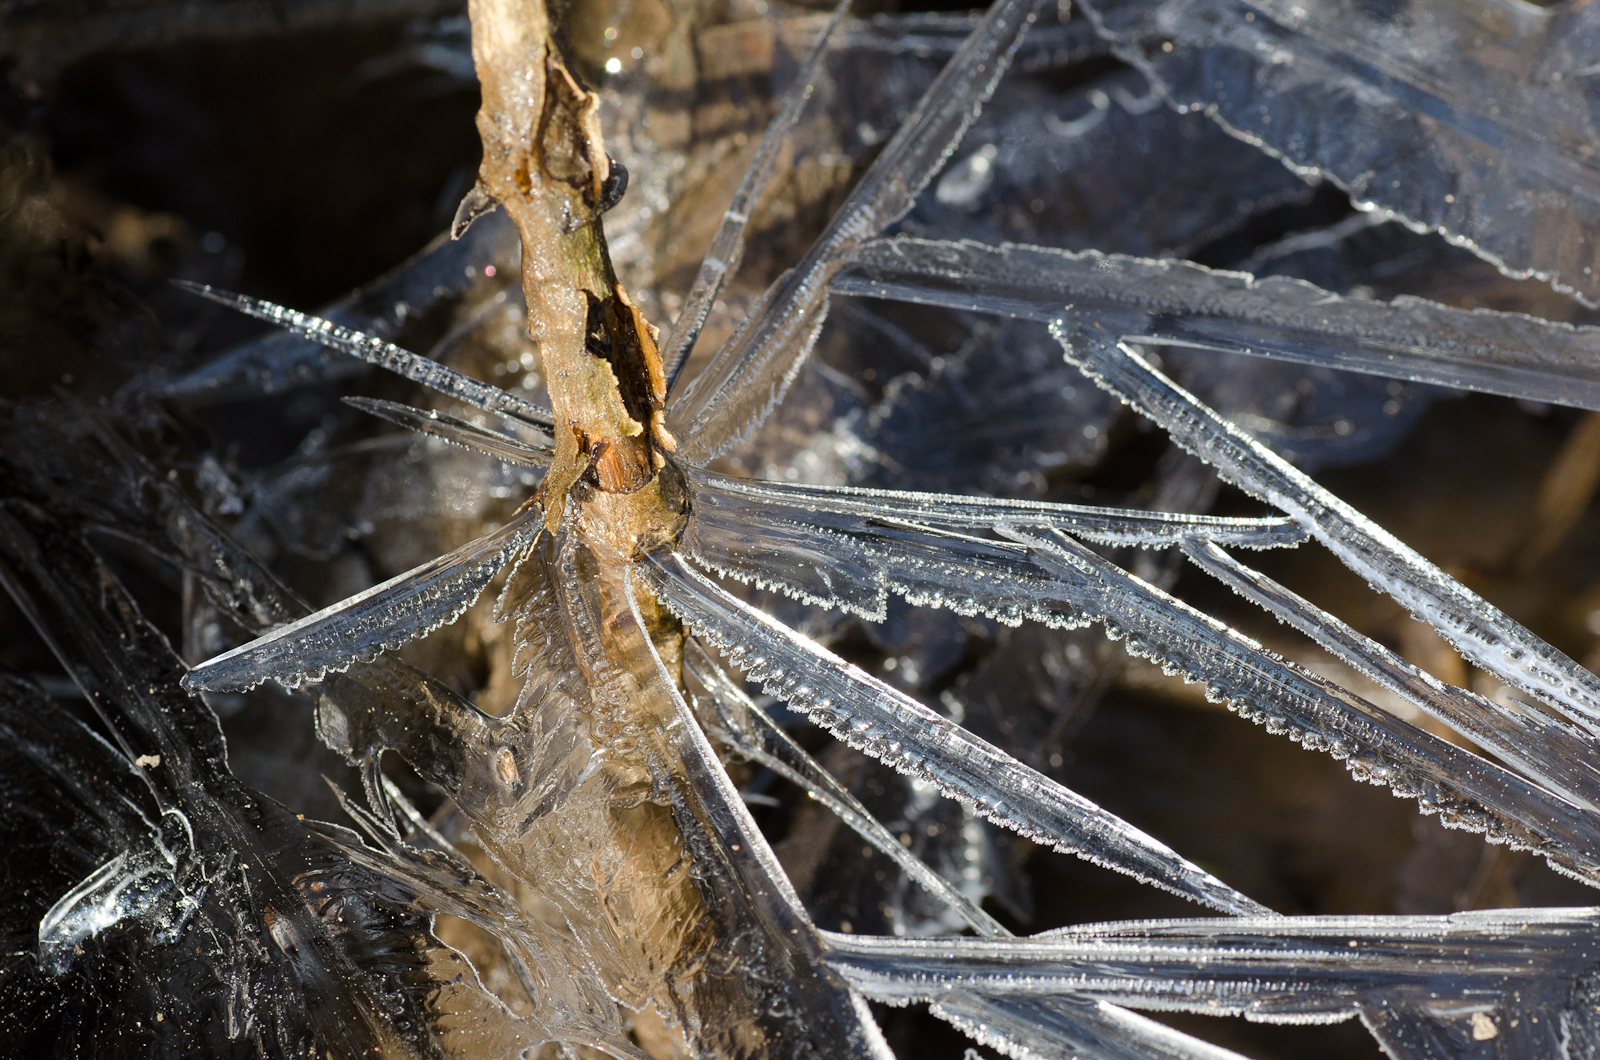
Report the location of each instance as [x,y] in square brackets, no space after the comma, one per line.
[544,162]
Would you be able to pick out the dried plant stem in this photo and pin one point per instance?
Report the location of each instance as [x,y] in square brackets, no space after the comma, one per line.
[544,161]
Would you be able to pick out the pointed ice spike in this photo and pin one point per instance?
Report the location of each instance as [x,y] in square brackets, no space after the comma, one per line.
[889,725]
[384,617]
[752,734]
[1523,978]
[459,432]
[740,505]
[1482,632]
[373,350]
[1560,757]
[442,270]
[1069,1028]
[727,246]
[752,370]
[1182,304]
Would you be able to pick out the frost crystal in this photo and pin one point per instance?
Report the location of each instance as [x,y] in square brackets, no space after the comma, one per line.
[758,549]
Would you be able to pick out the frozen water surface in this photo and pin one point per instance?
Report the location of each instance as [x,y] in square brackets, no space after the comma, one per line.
[588,872]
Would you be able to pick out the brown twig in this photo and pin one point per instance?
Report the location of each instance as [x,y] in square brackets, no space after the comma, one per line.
[545,162]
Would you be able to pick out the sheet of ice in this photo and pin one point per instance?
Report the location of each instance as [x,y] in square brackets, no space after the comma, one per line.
[887,724]
[216,916]
[1473,118]
[1182,304]
[750,373]
[1512,984]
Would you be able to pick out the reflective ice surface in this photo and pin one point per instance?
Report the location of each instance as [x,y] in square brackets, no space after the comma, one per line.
[594,691]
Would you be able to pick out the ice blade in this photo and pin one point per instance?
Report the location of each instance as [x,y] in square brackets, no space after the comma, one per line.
[444,269]
[459,432]
[753,501]
[1522,977]
[1068,1028]
[727,246]
[1052,578]
[750,732]
[1479,630]
[373,350]
[895,728]
[369,623]
[751,372]
[1182,304]
[1559,757]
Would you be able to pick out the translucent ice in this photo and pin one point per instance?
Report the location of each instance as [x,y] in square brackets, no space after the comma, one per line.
[1473,118]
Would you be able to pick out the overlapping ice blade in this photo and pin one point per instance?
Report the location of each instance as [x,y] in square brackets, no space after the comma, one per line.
[1558,756]
[747,729]
[459,432]
[887,724]
[1512,984]
[383,617]
[727,246]
[983,279]
[748,504]
[855,561]
[1477,119]
[1482,632]
[848,548]
[1467,791]
[373,350]
[750,373]
[1182,304]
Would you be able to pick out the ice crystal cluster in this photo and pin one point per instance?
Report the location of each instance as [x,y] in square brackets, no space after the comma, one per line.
[744,759]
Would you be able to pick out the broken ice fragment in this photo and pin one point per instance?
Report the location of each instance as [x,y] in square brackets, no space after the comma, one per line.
[129,886]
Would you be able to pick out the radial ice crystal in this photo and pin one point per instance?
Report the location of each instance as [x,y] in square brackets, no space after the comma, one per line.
[698,544]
